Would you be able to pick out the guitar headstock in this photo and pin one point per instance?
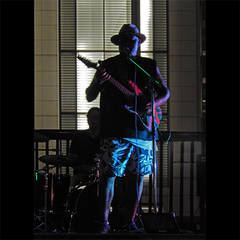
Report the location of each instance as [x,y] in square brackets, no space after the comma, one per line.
[87,62]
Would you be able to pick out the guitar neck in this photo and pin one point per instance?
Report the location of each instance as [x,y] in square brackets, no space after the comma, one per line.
[119,86]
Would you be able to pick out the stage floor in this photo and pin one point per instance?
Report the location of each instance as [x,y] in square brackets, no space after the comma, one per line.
[129,236]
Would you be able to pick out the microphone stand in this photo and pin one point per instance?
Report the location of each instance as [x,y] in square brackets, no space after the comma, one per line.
[152,83]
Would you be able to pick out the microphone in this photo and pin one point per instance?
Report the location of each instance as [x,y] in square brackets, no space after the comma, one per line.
[126,51]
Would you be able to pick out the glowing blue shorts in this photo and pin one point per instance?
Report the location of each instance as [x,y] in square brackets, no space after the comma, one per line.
[119,155]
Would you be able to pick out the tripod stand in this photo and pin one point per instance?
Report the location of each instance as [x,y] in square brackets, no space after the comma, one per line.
[44,220]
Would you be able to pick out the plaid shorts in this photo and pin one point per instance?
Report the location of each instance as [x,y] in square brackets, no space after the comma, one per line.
[119,155]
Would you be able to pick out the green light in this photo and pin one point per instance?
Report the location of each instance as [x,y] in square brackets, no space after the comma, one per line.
[145,72]
[36,176]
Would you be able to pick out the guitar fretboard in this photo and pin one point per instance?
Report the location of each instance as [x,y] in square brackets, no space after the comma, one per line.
[117,84]
[121,87]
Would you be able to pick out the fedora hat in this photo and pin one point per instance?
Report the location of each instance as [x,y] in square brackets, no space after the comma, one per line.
[128,29]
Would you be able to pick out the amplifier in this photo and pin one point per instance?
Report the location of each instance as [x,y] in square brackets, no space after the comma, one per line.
[160,223]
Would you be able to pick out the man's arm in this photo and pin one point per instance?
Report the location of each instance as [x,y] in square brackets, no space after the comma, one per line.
[93,90]
[163,95]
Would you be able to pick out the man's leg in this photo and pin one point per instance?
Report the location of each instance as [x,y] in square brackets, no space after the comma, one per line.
[132,198]
[106,196]
[113,151]
[143,161]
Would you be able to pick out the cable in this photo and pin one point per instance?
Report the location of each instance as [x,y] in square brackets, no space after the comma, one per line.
[170,134]
[136,132]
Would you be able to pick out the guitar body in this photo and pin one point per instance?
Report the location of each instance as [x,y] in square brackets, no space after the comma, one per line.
[144,118]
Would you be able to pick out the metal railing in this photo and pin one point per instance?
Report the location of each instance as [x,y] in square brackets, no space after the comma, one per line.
[183,165]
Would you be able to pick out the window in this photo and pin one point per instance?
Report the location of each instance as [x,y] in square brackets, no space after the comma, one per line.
[86,28]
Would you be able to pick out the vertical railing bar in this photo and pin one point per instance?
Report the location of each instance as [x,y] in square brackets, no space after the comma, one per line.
[36,156]
[150,194]
[67,152]
[47,152]
[181,181]
[191,180]
[47,148]
[57,153]
[170,146]
[161,178]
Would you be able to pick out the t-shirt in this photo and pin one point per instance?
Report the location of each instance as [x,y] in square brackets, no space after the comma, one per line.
[85,147]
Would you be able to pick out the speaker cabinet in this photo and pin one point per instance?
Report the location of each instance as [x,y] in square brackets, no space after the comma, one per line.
[160,223]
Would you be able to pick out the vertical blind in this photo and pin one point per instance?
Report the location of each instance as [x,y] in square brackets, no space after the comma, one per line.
[86,28]
[96,22]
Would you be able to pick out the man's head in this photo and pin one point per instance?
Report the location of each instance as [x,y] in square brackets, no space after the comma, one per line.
[128,37]
[93,117]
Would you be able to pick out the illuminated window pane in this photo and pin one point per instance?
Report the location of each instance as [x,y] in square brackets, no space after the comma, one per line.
[97,21]
[146,26]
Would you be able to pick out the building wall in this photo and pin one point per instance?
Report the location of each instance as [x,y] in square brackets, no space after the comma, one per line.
[185,100]
[46,64]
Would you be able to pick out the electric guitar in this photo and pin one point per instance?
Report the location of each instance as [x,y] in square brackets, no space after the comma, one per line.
[144,117]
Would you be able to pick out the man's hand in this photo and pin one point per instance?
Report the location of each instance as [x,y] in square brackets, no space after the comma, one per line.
[148,108]
[157,102]
[102,76]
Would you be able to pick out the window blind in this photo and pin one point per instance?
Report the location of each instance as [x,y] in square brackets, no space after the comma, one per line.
[160,51]
[67,41]
[153,23]
[96,22]
[146,25]
[89,25]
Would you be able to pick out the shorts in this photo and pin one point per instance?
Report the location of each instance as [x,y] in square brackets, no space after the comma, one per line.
[119,155]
